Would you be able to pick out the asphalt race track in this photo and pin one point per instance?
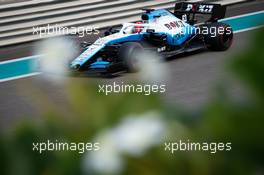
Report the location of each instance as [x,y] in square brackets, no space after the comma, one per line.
[191,78]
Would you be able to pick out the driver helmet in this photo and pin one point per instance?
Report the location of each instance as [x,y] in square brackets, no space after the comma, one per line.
[138,28]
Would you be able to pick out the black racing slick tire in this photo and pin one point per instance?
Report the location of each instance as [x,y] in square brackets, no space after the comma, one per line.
[128,54]
[221,39]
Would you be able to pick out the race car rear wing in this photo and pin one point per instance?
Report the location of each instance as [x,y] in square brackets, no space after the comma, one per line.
[184,10]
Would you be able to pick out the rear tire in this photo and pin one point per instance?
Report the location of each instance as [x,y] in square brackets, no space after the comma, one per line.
[128,55]
[220,41]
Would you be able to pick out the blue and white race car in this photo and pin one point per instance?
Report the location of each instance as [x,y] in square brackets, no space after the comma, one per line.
[162,31]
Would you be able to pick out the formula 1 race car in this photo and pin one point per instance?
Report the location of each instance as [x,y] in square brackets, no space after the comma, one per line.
[162,31]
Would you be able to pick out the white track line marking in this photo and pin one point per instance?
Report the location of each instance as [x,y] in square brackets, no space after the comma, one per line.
[248,29]
[18,77]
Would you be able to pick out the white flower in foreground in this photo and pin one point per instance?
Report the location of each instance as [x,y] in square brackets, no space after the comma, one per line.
[152,68]
[56,55]
[107,160]
[136,134]
[133,136]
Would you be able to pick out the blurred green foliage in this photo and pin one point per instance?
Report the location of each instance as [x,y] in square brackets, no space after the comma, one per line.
[222,120]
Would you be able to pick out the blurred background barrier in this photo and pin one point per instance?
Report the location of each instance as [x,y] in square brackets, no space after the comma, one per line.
[17,20]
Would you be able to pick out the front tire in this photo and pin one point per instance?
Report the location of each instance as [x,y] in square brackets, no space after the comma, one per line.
[128,54]
[221,41]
